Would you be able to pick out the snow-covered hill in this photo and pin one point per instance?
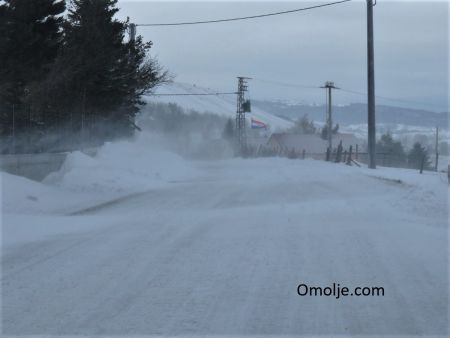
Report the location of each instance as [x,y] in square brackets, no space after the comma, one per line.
[224,105]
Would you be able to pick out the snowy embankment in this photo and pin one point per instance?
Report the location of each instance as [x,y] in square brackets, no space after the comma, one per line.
[128,168]
[118,170]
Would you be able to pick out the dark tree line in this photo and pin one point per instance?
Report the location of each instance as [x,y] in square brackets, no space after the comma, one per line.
[324,132]
[393,154]
[304,126]
[170,119]
[69,80]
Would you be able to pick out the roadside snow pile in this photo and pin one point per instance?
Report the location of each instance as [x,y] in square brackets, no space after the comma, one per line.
[118,169]
[125,166]
[21,195]
[430,189]
[405,189]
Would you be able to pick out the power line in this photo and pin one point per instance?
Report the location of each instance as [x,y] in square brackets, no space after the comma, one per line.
[348,91]
[193,94]
[352,92]
[244,17]
[393,99]
[301,86]
[283,84]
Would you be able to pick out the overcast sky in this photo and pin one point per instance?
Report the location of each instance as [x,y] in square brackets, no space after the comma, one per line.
[308,48]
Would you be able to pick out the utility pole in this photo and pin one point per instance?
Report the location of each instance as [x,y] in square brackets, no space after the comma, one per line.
[132,32]
[371,142]
[328,86]
[14,127]
[241,138]
[436,146]
[83,118]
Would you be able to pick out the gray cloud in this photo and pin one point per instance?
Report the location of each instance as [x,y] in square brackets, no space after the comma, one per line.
[307,48]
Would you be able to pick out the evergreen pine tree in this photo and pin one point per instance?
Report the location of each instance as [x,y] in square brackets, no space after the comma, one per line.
[418,154]
[393,150]
[324,132]
[99,77]
[228,131]
[29,39]
[335,129]
[30,35]
[304,126]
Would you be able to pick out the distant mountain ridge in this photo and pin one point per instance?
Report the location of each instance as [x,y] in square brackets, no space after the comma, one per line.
[280,115]
[355,113]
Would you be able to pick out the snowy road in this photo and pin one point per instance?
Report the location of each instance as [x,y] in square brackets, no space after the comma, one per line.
[223,254]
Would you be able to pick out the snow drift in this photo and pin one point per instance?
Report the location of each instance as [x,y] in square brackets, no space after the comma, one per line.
[117,169]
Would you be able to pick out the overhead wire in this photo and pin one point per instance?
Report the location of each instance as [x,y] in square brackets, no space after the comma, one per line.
[192,94]
[243,17]
[352,92]
[268,81]
[298,86]
[283,84]
[392,98]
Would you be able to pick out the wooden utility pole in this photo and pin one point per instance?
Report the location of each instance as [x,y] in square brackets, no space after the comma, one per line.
[422,163]
[371,142]
[83,118]
[132,32]
[436,146]
[14,127]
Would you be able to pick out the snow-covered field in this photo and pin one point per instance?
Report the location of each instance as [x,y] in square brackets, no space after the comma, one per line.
[407,134]
[155,244]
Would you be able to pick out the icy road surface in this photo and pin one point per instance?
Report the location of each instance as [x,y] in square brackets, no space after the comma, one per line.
[223,254]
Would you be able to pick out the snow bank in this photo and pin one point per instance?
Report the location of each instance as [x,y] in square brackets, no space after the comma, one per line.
[118,169]
[130,166]
[33,210]
[421,194]
[22,195]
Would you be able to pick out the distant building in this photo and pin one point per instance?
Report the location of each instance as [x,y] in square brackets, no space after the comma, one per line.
[284,143]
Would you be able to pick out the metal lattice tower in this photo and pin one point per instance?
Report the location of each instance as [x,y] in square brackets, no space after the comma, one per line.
[241,136]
